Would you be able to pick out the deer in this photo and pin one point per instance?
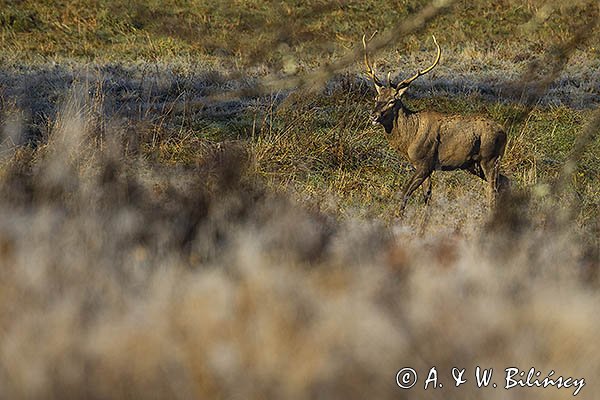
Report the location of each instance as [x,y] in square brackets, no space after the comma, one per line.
[432,141]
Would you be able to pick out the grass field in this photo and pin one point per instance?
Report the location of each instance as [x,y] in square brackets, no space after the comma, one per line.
[194,204]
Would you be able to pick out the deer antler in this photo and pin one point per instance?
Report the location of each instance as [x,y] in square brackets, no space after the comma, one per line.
[408,81]
[370,70]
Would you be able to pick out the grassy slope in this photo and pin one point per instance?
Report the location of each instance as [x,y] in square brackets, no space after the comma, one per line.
[260,31]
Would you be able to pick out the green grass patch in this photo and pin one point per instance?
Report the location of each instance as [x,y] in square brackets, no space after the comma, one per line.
[268,32]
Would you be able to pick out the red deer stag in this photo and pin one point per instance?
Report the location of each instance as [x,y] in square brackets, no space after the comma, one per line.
[434,141]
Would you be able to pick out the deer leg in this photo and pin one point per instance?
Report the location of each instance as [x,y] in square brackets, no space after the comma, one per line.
[427,190]
[503,183]
[491,170]
[476,170]
[415,181]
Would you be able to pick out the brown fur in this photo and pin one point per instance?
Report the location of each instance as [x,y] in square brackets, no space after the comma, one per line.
[434,141]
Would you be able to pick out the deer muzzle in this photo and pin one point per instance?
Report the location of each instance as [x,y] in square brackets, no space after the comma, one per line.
[376,118]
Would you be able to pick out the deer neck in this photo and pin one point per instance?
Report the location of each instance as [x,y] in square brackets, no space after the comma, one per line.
[405,118]
[403,130]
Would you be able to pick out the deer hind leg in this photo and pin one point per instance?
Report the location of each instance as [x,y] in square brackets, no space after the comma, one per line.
[491,171]
[503,183]
[415,181]
[427,190]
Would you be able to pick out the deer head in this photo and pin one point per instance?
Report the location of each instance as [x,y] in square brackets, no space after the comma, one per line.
[389,95]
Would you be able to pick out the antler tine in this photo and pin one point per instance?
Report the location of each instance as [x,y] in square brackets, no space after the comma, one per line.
[408,81]
[370,70]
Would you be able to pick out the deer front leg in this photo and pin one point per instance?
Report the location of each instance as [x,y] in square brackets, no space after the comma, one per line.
[420,175]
